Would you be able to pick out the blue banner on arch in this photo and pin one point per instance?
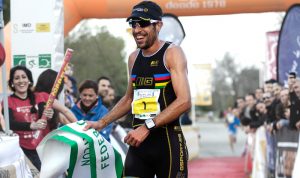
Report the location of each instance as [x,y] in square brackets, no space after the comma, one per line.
[288,55]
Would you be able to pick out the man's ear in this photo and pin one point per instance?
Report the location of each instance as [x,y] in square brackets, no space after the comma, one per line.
[159,26]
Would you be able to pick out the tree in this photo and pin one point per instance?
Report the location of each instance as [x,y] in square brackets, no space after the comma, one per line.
[248,81]
[224,82]
[98,55]
[6,11]
[230,82]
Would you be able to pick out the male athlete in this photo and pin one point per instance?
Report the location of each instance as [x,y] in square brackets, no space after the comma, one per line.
[157,94]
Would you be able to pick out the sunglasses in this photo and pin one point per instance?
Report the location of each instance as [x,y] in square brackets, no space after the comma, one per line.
[265,98]
[141,23]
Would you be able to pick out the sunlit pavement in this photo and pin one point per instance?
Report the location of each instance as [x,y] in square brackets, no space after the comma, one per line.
[216,160]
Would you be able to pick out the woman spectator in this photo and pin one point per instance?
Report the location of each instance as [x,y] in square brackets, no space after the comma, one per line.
[25,110]
[45,83]
[90,106]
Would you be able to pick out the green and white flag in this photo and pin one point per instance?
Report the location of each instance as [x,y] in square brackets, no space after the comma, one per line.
[71,152]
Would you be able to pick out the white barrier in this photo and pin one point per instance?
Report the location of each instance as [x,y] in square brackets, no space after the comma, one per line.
[12,162]
[191,134]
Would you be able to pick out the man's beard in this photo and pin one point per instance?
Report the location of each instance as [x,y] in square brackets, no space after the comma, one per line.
[150,41]
[151,37]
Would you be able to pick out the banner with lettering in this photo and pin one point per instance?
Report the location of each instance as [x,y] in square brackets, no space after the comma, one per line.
[286,150]
[203,84]
[296,172]
[71,152]
[37,34]
[260,158]
[288,55]
[272,42]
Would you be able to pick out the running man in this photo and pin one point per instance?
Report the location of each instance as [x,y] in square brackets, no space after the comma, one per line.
[158,93]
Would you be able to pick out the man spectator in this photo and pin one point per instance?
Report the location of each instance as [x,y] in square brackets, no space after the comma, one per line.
[259,94]
[104,84]
[284,103]
[249,110]
[268,86]
[109,99]
[240,105]
[294,87]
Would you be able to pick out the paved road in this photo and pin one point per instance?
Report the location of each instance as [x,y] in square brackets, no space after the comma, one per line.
[214,141]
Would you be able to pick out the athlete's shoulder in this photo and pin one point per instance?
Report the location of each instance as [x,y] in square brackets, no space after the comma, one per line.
[173,49]
[174,54]
[133,55]
[173,46]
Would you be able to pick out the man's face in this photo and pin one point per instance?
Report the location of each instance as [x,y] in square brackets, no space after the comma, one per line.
[291,79]
[258,93]
[268,87]
[110,97]
[297,88]
[268,98]
[284,96]
[261,107]
[103,86]
[250,101]
[145,36]
[240,103]
[111,94]
[276,89]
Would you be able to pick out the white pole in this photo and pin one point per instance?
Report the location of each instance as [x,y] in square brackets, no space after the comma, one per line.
[5,101]
[193,112]
[4,85]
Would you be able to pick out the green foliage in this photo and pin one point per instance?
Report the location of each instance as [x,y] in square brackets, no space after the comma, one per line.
[98,55]
[248,81]
[230,82]
[6,11]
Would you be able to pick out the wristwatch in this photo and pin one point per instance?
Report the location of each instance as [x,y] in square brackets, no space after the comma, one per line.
[150,124]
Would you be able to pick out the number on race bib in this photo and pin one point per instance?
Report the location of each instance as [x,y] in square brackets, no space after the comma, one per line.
[145,105]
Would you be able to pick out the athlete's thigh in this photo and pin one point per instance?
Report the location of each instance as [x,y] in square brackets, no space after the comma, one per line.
[136,166]
[174,163]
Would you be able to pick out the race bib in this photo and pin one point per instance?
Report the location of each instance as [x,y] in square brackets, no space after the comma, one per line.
[145,103]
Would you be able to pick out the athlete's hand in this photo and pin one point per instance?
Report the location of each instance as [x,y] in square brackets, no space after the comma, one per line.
[137,136]
[96,125]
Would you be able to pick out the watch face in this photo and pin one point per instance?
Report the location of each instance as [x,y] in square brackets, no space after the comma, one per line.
[150,123]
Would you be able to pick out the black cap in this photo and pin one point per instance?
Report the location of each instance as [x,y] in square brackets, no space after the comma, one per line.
[146,10]
[293,73]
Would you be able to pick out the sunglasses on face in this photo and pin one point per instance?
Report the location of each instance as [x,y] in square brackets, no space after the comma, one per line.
[141,23]
[266,98]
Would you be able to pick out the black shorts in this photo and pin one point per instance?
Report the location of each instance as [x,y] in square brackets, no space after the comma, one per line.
[163,153]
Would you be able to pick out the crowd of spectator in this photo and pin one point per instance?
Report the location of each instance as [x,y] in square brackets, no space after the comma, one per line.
[26,105]
[270,116]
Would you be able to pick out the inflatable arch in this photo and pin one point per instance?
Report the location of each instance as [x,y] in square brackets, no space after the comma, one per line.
[76,10]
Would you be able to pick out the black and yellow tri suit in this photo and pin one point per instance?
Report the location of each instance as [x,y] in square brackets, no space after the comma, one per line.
[163,153]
